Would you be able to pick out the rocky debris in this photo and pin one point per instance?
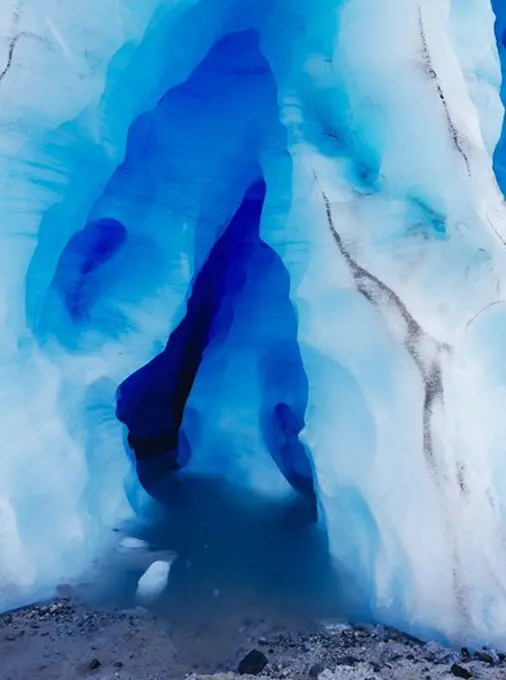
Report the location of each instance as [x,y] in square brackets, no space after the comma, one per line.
[253,663]
[65,638]
[341,651]
[439,654]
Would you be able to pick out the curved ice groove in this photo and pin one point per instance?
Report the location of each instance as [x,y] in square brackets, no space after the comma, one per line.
[424,230]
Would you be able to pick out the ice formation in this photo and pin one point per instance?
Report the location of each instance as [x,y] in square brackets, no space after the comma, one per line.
[260,241]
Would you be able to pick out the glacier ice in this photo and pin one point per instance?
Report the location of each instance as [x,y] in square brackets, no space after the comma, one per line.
[500,150]
[261,242]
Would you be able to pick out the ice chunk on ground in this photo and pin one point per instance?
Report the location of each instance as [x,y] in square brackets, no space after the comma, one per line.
[154,580]
[131,543]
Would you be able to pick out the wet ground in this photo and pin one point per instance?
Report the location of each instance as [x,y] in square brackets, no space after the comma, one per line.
[67,639]
[239,585]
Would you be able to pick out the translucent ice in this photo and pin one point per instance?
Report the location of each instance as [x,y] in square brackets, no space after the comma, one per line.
[259,242]
[153,582]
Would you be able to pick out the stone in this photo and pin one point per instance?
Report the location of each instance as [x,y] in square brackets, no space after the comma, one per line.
[253,663]
[461,672]
[486,657]
[315,670]
[347,661]
[94,665]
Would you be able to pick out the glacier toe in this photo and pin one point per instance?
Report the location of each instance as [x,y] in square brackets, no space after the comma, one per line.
[260,242]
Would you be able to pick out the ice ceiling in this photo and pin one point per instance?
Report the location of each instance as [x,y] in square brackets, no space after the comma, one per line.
[262,242]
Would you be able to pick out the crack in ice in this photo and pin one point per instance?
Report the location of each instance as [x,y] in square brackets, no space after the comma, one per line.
[373,289]
[455,134]
[423,349]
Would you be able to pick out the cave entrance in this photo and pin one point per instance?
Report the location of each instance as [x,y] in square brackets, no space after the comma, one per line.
[191,188]
[217,408]
[152,401]
[239,269]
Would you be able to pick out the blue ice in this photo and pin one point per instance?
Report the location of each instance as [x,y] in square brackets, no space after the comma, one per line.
[259,246]
[500,32]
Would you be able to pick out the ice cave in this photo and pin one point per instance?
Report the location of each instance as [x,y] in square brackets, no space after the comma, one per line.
[259,246]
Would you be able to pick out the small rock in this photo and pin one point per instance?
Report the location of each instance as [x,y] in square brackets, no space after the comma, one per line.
[485,657]
[461,672]
[94,665]
[118,664]
[315,670]
[489,656]
[347,661]
[253,663]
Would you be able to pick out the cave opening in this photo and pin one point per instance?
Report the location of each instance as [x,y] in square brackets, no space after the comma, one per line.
[191,191]
[233,266]
[213,417]
[151,401]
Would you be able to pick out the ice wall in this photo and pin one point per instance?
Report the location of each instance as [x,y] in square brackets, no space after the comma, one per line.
[500,32]
[280,221]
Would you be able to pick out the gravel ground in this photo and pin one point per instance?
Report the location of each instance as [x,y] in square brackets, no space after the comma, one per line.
[65,639]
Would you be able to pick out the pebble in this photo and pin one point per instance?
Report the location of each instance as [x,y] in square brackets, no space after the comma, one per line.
[487,656]
[94,665]
[461,672]
[253,663]
[315,670]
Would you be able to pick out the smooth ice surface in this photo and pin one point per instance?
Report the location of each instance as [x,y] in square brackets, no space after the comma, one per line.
[154,580]
[259,243]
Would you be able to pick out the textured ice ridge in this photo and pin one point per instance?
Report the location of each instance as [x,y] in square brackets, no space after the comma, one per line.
[263,242]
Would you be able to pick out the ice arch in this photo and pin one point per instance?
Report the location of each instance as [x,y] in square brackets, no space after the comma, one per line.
[152,401]
[384,212]
[139,225]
